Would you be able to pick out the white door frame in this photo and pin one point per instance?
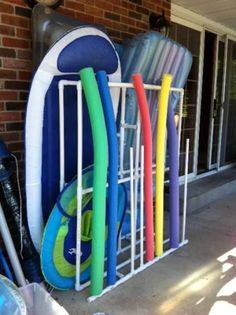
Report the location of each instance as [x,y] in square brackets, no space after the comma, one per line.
[210,166]
[222,101]
[195,21]
[200,29]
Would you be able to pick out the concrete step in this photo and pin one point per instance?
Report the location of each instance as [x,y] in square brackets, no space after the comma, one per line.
[203,191]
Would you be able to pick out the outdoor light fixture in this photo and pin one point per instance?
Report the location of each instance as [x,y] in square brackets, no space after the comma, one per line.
[159,23]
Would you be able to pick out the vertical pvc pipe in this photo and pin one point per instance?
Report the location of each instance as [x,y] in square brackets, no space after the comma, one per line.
[147,137]
[122,137]
[137,153]
[180,118]
[141,205]
[160,163]
[122,130]
[99,135]
[6,235]
[132,213]
[79,181]
[112,175]
[62,136]
[172,145]
[185,189]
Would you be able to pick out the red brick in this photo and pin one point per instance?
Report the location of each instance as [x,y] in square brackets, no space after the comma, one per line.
[66,11]
[6,8]
[102,21]
[113,33]
[166,5]
[23,11]
[128,5]
[135,15]
[2,127]
[74,5]
[16,146]
[13,42]
[112,16]
[85,17]
[17,64]
[16,21]
[91,2]
[14,126]
[117,2]
[17,85]
[127,20]
[15,106]
[19,2]
[7,30]
[10,116]
[136,1]
[119,10]
[2,106]
[142,10]
[93,10]
[149,5]
[125,35]
[25,75]
[8,95]
[10,136]
[7,52]
[104,4]
[119,26]
[24,54]
[134,30]
[23,33]
[142,25]
[7,74]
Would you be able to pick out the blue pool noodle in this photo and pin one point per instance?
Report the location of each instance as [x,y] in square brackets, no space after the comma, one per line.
[112,175]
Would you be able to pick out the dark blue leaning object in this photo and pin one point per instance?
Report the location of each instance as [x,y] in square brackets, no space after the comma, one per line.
[112,175]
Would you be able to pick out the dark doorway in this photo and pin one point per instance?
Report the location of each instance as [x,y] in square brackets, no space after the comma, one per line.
[207,99]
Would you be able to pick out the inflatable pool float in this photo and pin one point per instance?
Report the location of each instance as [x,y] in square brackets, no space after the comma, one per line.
[58,255]
[79,48]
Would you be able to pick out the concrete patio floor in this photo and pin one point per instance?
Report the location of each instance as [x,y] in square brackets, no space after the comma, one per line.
[199,278]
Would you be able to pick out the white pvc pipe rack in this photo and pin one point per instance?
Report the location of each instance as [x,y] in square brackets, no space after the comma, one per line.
[131,246]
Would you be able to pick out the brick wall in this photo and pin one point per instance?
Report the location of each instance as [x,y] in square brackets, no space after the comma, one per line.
[122,19]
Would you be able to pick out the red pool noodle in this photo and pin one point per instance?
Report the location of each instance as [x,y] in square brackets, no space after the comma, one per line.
[147,138]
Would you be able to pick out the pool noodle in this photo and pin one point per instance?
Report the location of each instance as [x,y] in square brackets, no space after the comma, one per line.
[172,146]
[160,163]
[112,176]
[147,136]
[100,145]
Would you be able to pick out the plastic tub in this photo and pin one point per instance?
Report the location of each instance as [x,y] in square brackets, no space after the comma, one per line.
[39,301]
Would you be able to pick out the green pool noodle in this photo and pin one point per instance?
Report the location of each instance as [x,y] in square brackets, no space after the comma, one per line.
[100,147]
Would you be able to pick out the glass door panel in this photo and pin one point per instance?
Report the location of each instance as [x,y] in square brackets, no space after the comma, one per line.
[217,104]
[229,127]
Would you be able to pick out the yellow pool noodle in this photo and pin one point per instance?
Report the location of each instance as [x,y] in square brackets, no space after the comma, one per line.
[160,162]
